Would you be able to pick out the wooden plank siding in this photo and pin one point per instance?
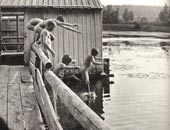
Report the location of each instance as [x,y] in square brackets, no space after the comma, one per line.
[68,42]
[98,31]
[75,38]
[29,34]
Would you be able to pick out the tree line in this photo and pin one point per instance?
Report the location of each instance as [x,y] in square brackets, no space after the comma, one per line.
[111,15]
[164,15]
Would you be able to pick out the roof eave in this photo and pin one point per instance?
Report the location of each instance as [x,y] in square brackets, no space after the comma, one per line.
[44,6]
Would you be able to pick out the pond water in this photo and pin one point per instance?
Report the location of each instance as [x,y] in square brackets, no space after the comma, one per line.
[140,97]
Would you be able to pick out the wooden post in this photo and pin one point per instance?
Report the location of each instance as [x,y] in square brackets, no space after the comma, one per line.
[17,27]
[106,66]
[0,34]
[81,112]
[46,62]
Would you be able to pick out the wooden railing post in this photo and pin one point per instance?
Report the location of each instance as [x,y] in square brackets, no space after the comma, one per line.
[45,60]
[43,63]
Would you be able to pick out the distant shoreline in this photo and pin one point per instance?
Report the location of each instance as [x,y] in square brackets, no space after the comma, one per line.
[132,27]
[129,38]
[110,35]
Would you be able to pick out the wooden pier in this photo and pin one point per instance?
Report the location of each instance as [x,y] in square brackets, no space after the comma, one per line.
[23,95]
[19,107]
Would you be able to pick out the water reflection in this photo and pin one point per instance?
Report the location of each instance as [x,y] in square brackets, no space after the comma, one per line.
[140,97]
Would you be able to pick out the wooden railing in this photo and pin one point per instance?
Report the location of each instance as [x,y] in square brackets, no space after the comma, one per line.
[43,78]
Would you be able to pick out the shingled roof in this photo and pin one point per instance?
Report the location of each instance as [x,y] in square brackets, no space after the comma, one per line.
[51,3]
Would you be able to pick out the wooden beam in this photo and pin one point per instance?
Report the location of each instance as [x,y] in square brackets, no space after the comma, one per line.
[12,13]
[25,75]
[4,73]
[0,33]
[31,113]
[46,62]
[11,44]
[45,104]
[8,30]
[13,37]
[32,69]
[17,27]
[81,112]
[15,112]
[3,101]
[32,57]
[15,122]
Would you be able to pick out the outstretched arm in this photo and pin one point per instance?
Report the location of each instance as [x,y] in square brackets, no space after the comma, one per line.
[98,58]
[70,28]
[95,62]
[65,23]
[67,26]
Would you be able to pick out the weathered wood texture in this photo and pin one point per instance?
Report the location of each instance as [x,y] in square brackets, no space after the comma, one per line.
[30,108]
[25,75]
[32,70]
[46,62]
[49,3]
[81,112]
[32,57]
[45,103]
[68,42]
[3,101]
[18,107]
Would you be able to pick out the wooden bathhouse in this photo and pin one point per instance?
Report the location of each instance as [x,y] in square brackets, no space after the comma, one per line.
[87,13]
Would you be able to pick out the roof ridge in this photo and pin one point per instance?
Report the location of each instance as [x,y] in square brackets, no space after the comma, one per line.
[52,3]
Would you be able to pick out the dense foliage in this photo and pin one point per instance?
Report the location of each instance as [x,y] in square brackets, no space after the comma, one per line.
[164,15]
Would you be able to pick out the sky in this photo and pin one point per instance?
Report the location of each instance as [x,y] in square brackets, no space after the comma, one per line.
[135,2]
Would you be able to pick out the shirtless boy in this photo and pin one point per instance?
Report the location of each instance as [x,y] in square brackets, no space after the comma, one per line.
[45,40]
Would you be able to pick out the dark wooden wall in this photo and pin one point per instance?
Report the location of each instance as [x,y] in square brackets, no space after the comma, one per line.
[67,42]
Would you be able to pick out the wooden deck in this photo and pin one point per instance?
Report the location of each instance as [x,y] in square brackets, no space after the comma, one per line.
[18,104]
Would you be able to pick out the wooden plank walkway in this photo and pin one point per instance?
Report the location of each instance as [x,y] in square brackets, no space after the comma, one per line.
[18,104]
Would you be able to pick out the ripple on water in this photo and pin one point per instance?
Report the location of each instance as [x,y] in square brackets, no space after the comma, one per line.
[140,97]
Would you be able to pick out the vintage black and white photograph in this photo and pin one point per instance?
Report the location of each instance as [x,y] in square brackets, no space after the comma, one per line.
[84,64]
